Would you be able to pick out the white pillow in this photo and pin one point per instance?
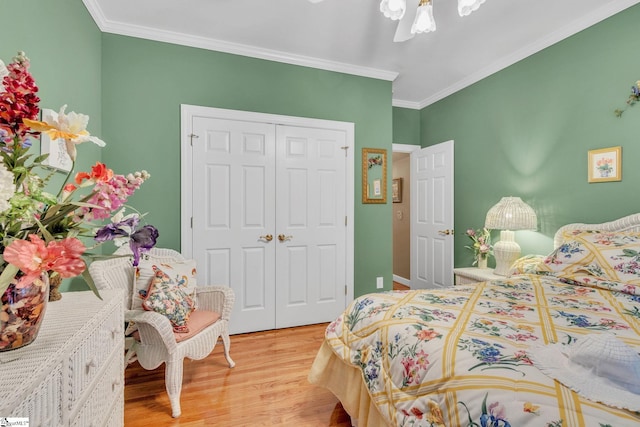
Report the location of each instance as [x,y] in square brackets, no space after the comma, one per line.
[181,273]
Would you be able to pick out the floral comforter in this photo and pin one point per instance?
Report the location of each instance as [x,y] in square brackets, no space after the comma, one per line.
[458,356]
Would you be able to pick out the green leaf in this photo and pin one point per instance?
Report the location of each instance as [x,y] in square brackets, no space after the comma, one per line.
[89,280]
[7,275]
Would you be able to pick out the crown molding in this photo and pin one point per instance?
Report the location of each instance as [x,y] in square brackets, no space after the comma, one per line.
[405,104]
[600,14]
[107,26]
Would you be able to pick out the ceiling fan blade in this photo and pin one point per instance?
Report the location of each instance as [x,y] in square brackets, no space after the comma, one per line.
[403,31]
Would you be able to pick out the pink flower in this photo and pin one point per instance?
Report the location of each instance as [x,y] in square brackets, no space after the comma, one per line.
[498,410]
[35,257]
[109,196]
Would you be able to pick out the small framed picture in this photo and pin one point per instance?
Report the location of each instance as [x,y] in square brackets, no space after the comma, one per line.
[605,164]
[57,150]
[396,190]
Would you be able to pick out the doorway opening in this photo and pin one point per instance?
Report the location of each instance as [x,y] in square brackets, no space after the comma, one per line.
[401,212]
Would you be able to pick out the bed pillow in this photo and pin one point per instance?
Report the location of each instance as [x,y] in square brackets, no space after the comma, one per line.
[166,297]
[527,264]
[182,273]
[609,255]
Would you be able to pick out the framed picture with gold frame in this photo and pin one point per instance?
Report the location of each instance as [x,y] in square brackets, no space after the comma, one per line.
[374,175]
[605,164]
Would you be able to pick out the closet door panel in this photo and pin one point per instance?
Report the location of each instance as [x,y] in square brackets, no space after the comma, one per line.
[310,212]
[234,212]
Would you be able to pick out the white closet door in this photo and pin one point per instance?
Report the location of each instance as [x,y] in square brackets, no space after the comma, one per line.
[310,218]
[269,210]
[233,213]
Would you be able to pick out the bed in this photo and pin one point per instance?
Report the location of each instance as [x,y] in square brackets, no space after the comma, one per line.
[472,355]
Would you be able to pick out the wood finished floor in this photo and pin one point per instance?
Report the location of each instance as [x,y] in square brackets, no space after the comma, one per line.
[267,387]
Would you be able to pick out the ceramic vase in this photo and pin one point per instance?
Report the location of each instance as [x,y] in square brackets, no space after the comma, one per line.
[482,261]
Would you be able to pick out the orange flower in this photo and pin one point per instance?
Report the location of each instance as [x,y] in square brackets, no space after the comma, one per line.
[99,173]
[435,416]
[427,334]
[531,408]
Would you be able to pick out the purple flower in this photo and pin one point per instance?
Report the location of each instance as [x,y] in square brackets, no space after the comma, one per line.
[142,241]
[118,229]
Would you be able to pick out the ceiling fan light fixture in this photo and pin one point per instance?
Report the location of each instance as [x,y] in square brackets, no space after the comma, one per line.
[393,9]
[424,22]
[465,7]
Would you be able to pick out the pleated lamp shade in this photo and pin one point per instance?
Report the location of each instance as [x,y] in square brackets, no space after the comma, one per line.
[509,214]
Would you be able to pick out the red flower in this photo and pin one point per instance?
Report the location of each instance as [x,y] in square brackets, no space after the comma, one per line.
[417,412]
[18,99]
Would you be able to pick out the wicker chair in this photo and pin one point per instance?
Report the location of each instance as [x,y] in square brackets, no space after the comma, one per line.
[156,342]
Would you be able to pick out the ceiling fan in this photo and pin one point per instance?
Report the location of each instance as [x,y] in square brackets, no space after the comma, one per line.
[416,16]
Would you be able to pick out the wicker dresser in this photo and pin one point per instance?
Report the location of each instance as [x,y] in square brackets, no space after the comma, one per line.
[73,373]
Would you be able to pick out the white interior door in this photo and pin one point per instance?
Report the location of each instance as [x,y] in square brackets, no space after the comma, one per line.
[432,216]
[234,215]
[310,218]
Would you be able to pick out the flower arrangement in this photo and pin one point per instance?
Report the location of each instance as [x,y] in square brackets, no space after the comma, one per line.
[481,243]
[41,232]
[375,161]
[634,97]
[605,166]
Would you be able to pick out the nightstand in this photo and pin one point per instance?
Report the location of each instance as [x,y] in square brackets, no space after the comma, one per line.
[471,275]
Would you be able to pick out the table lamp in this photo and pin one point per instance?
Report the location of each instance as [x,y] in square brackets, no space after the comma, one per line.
[508,215]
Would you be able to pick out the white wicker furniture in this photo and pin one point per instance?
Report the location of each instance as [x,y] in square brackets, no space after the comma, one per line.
[470,275]
[157,341]
[72,374]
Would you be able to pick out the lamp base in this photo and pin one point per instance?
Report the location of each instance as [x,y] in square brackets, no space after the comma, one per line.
[506,251]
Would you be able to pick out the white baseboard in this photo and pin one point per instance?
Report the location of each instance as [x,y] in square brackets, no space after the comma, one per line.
[401,280]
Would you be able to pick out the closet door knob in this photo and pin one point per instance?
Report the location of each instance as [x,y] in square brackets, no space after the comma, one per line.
[268,237]
[284,238]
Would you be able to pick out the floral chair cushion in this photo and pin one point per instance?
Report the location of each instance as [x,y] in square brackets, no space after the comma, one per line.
[182,273]
[607,255]
[166,297]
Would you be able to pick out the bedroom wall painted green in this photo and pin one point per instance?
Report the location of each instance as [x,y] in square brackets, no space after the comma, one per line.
[525,131]
[144,83]
[64,46]
[406,126]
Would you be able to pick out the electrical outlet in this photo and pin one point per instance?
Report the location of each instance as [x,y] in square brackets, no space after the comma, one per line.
[380,282]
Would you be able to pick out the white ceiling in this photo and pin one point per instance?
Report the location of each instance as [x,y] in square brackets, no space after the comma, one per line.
[352,36]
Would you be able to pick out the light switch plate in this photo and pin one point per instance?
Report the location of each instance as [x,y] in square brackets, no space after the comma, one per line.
[380,282]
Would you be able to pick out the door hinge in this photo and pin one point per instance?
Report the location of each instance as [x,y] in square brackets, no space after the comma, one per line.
[191,222]
[345,220]
[345,148]
[192,136]
[345,290]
